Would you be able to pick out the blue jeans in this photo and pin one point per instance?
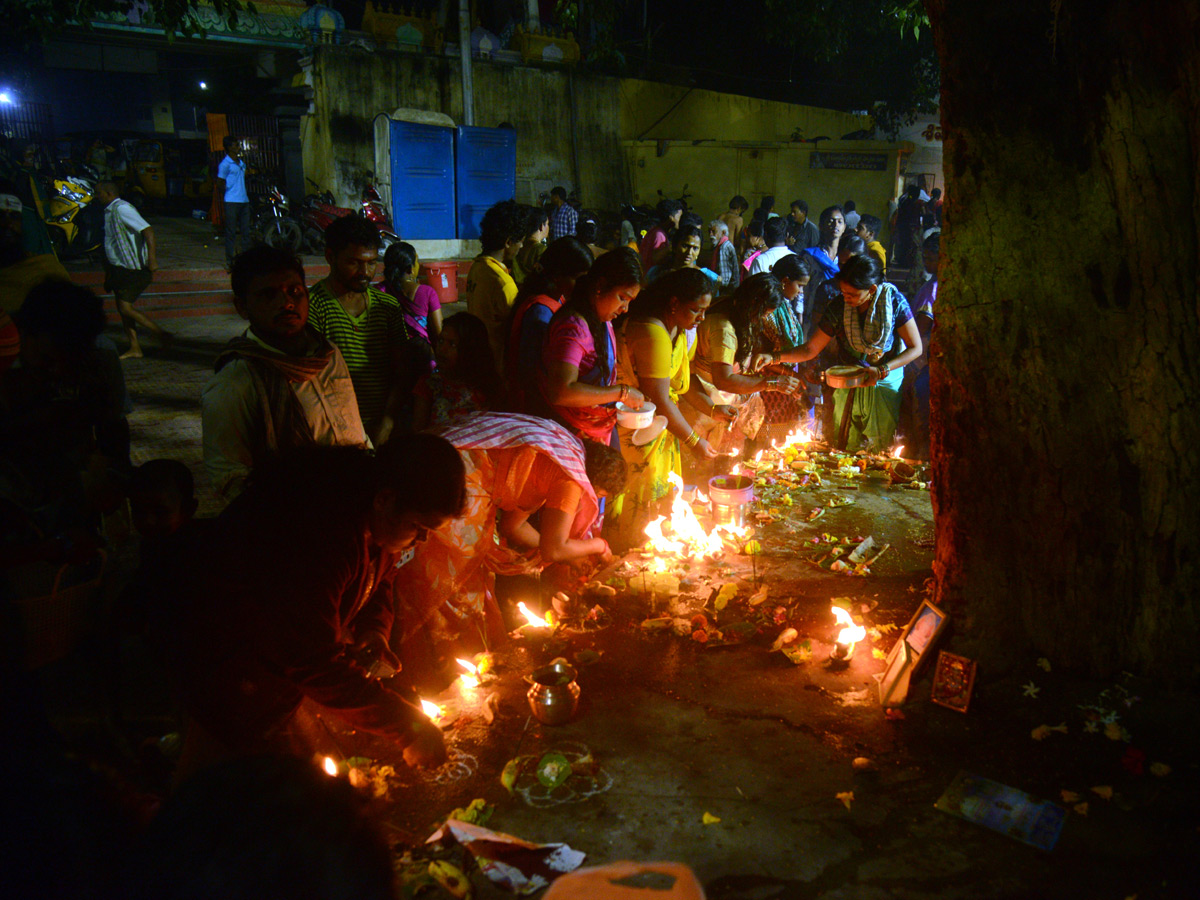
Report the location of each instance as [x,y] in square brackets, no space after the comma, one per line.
[237,221]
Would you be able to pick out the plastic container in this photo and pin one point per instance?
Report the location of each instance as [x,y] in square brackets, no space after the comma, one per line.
[442,276]
[628,881]
[628,417]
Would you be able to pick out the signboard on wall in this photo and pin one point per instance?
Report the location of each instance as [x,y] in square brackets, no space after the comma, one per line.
[863,162]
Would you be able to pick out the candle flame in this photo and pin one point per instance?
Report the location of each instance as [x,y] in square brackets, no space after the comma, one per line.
[533,618]
[331,767]
[431,709]
[851,634]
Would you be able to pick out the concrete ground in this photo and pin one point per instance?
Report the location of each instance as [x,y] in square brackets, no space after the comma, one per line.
[677,730]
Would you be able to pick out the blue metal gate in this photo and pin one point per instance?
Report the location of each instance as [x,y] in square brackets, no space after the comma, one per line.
[486,167]
[422,160]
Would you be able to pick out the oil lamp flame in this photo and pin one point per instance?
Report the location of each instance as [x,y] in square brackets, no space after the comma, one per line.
[470,677]
[331,767]
[431,709]
[897,452]
[533,618]
[850,634]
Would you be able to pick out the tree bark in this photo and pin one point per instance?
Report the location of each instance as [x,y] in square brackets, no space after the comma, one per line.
[1066,360]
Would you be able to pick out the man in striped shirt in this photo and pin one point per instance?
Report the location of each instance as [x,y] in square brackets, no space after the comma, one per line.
[130,261]
[366,324]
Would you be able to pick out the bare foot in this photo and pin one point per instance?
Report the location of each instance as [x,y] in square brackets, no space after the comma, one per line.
[131,353]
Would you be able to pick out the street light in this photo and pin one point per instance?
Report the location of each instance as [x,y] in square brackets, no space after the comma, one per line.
[204,85]
[6,97]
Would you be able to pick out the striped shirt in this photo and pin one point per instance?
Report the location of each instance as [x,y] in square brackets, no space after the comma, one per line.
[123,242]
[372,344]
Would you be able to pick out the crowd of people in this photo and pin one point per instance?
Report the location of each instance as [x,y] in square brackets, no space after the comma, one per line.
[380,467]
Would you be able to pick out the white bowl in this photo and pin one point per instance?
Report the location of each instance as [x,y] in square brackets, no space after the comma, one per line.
[628,417]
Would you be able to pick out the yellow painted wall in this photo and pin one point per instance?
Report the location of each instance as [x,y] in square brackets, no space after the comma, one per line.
[714,172]
[653,111]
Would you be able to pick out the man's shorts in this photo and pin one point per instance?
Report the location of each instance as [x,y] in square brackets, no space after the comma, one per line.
[126,284]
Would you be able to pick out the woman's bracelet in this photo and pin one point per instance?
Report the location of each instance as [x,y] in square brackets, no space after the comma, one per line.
[692,439]
[623,394]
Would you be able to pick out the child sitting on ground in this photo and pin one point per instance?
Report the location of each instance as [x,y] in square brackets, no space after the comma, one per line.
[466,379]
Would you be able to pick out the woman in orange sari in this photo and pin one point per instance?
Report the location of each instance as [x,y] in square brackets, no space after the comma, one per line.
[516,466]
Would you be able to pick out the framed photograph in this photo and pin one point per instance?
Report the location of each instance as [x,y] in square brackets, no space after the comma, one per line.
[953,681]
[922,632]
[924,627]
[893,681]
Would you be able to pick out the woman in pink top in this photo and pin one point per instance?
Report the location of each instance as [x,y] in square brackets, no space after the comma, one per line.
[579,358]
[420,303]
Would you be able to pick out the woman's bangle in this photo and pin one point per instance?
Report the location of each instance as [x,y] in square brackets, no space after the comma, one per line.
[692,439]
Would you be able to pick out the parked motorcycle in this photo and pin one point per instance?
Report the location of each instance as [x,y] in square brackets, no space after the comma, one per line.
[75,224]
[641,218]
[319,210]
[273,222]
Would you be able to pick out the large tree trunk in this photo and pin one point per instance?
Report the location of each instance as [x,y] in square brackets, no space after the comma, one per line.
[1066,373]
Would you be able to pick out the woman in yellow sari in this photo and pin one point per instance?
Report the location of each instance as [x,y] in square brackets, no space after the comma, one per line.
[652,353]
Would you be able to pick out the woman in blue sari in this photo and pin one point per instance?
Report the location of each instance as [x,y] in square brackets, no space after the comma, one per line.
[832,224]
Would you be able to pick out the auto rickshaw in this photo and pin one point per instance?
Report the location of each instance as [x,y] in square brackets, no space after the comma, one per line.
[170,172]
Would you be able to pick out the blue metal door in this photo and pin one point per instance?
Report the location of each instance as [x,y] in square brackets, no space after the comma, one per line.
[485,162]
[422,158]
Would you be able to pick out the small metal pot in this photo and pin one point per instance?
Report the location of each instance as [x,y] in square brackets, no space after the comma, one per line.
[731,496]
[553,693]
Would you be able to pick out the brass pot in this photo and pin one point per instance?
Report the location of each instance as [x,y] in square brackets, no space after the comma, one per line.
[553,693]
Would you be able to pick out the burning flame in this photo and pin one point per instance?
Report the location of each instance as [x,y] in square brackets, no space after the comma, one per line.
[331,768]
[431,709]
[851,634]
[800,435]
[533,618]
[469,678]
[681,534]
[897,452]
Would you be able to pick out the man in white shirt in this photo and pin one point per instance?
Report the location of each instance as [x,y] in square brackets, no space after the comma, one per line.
[278,386]
[775,235]
[130,261]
